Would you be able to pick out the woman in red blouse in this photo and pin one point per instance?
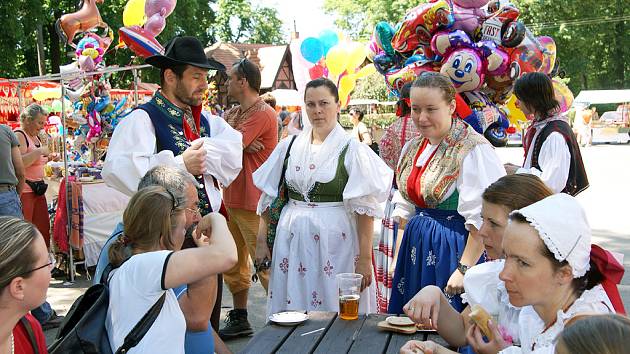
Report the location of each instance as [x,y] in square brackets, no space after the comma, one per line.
[25,266]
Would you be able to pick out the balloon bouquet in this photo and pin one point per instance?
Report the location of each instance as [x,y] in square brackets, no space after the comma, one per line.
[338,59]
[479,44]
[144,20]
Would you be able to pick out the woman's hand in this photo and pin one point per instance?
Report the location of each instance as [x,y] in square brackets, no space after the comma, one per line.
[415,347]
[474,337]
[262,250]
[364,267]
[455,284]
[424,307]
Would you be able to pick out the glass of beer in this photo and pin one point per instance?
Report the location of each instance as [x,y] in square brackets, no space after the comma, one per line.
[349,295]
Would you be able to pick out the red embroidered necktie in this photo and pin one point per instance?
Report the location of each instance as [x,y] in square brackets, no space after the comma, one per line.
[529,136]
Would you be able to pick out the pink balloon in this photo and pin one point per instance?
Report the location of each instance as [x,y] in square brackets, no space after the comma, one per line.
[86,63]
[156,12]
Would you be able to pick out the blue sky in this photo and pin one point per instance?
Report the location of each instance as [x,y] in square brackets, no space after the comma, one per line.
[308,14]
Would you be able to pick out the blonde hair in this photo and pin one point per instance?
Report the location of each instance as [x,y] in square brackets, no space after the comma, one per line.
[148,219]
[17,257]
[31,112]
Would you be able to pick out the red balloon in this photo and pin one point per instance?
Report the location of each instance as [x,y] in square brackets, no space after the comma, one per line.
[316,71]
[140,42]
[511,129]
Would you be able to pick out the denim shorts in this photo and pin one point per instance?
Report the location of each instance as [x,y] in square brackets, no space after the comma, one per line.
[10,204]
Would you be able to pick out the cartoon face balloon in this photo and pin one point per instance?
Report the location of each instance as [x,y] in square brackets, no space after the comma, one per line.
[464,68]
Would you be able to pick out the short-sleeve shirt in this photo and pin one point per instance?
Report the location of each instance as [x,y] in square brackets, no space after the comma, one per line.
[262,123]
[8,141]
[133,289]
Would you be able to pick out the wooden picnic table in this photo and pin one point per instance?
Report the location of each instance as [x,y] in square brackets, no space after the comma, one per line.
[338,336]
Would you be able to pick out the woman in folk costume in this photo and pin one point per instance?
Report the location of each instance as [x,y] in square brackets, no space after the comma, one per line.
[552,274]
[335,186]
[551,148]
[440,178]
[390,146]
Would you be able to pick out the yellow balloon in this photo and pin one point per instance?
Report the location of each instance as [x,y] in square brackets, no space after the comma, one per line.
[357,55]
[133,14]
[336,60]
[347,83]
[515,115]
[365,71]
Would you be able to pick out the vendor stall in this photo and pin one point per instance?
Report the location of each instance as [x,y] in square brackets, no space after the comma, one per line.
[87,210]
[614,126]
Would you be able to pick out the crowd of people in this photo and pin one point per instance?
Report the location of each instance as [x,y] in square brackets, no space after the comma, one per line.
[210,195]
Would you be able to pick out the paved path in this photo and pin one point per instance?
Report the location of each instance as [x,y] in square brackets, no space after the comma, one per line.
[607,203]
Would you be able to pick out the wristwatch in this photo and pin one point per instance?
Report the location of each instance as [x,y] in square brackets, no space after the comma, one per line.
[462,268]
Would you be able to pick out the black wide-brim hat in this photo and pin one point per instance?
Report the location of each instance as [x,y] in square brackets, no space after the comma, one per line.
[184,50]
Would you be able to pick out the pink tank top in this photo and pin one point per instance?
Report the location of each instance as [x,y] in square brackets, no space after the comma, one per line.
[34,172]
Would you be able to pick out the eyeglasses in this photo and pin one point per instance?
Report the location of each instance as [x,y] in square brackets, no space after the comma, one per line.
[195,211]
[51,264]
[242,69]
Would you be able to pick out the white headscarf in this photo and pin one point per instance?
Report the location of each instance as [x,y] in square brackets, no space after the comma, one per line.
[562,225]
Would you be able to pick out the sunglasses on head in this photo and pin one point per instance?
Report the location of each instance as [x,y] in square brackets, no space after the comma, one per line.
[241,68]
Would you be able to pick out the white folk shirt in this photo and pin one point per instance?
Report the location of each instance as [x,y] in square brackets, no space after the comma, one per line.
[133,151]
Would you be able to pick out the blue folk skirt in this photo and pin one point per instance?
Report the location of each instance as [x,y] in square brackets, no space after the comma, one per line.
[431,247]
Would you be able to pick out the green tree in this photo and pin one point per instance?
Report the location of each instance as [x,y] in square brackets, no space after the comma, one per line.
[371,87]
[358,17]
[239,21]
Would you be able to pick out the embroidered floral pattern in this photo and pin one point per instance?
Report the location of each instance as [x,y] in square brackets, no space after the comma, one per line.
[316,238]
[316,300]
[284,265]
[328,268]
[431,259]
[356,260]
[302,270]
[413,255]
[343,236]
[401,286]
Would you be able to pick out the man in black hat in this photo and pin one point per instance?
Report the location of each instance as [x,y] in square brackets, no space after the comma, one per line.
[172,129]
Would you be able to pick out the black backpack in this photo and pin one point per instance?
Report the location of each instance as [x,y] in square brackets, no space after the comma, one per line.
[83,329]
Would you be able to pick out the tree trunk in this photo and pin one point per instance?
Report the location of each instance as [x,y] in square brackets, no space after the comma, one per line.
[41,59]
[55,48]
[618,58]
[585,80]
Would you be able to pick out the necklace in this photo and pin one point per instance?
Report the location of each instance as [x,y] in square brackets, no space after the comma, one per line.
[12,344]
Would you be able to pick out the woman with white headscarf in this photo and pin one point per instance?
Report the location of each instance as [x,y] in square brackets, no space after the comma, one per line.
[551,272]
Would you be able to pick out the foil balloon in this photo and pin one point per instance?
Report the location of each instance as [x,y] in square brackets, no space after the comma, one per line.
[465,63]
[503,28]
[419,25]
[396,79]
[140,42]
[490,120]
[156,12]
[530,56]
[563,95]
[87,18]
[383,33]
[468,14]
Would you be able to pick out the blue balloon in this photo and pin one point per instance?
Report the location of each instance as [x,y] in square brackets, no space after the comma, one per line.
[328,39]
[312,49]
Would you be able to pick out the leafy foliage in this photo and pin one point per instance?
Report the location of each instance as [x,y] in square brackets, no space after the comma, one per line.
[371,87]
[200,18]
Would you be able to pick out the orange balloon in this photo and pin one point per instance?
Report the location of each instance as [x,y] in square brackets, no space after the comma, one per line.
[85,19]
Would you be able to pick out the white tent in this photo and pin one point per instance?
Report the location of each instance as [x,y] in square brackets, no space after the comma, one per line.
[361,101]
[286,97]
[590,97]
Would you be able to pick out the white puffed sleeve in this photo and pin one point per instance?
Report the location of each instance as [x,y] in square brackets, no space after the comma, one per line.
[267,176]
[480,286]
[369,180]
[554,160]
[403,209]
[480,168]
[132,152]
[224,151]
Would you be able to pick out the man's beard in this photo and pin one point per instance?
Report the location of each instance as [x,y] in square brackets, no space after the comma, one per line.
[184,97]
